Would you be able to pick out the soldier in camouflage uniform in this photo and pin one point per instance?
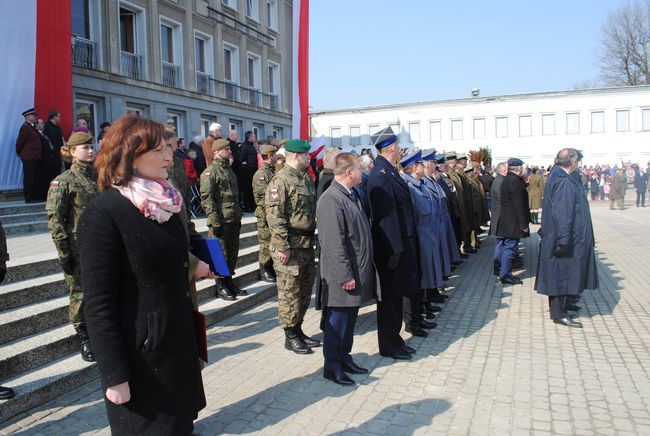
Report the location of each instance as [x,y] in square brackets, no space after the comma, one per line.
[176,174]
[260,179]
[220,200]
[279,163]
[291,215]
[68,196]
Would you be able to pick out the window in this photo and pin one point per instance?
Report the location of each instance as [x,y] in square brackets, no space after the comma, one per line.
[525,125]
[479,128]
[274,86]
[372,129]
[127,31]
[199,54]
[87,110]
[414,131]
[394,127]
[236,125]
[206,120]
[253,9]
[254,71]
[435,131]
[548,124]
[597,122]
[231,63]
[501,127]
[135,108]
[335,135]
[230,3]
[645,119]
[456,130]
[623,120]
[272,14]
[170,52]
[80,10]
[174,121]
[572,123]
[277,132]
[355,135]
[167,43]
[132,41]
[258,129]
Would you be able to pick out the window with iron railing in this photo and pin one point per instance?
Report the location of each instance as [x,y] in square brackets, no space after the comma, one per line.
[131,65]
[204,83]
[171,74]
[83,52]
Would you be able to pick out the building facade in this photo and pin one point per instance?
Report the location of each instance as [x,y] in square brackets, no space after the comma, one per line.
[185,63]
[608,125]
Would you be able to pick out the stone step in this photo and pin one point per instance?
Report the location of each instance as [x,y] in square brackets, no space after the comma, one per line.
[45,261]
[20,218]
[43,383]
[18,207]
[42,315]
[25,227]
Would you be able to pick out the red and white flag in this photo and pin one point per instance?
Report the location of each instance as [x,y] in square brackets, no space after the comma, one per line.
[300,107]
[317,150]
[37,72]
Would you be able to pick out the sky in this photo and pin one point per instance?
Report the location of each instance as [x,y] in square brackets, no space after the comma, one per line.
[368,52]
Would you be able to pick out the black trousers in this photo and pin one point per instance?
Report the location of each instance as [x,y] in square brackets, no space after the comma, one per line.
[389,324]
[413,309]
[30,180]
[557,306]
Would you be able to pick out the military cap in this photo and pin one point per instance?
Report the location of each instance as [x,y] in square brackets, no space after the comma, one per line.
[219,144]
[297,146]
[515,162]
[461,156]
[78,138]
[383,138]
[450,156]
[429,155]
[268,149]
[440,158]
[412,157]
[30,111]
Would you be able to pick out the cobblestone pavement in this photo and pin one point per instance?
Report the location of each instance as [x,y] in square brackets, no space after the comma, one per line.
[496,364]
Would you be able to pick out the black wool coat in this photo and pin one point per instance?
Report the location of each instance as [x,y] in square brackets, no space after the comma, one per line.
[393,230]
[139,314]
[513,212]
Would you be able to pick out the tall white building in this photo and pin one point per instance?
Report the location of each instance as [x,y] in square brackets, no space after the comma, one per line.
[608,125]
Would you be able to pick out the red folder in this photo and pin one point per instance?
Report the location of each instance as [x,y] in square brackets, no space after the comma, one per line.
[201,335]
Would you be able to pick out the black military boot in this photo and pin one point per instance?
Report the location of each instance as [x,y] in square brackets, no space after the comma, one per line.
[86,352]
[271,269]
[310,342]
[233,288]
[293,342]
[265,275]
[223,292]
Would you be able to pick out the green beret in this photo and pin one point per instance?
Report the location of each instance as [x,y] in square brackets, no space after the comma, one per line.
[219,144]
[297,146]
[79,138]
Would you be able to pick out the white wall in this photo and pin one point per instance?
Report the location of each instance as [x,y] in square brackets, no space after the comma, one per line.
[537,149]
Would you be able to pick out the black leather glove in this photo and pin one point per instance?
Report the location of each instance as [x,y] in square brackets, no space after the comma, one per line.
[3,273]
[66,265]
[393,261]
[561,251]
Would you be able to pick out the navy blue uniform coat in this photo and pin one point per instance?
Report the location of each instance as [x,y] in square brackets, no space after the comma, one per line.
[393,230]
[566,221]
[513,212]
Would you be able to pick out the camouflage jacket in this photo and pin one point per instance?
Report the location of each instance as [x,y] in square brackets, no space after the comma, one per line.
[68,196]
[220,194]
[291,209]
[261,178]
[178,177]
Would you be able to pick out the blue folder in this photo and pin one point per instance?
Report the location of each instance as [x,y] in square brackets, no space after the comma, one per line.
[209,251]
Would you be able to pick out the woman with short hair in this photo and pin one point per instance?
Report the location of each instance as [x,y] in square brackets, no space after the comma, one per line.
[138,306]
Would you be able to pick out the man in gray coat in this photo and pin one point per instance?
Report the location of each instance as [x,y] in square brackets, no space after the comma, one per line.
[495,194]
[346,268]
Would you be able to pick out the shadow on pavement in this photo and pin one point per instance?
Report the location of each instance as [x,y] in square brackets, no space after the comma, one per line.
[603,300]
[401,419]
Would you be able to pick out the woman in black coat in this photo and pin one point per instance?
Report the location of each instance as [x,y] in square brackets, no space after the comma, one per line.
[138,307]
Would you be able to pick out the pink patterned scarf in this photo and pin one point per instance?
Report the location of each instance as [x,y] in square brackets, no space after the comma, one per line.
[157,200]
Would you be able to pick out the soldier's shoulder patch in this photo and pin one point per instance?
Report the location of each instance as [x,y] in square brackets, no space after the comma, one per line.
[383,171]
[275,194]
[54,183]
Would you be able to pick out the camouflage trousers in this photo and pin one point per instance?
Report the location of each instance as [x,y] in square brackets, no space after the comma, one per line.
[264,236]
[75,310]
[295,282]
[229,241]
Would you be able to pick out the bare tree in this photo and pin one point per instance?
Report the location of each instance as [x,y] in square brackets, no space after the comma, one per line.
[624,45]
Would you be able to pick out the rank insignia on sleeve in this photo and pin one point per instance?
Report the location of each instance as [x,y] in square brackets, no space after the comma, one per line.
[275,195]
[54,183]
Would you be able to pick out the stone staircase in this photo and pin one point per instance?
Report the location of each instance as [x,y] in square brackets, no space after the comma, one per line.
[39,350]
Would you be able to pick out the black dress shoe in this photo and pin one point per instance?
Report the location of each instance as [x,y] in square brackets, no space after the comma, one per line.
[265,275]
[408,349]
[510,281]
[338,377]
[573,307]
[429,315]
[569,322]
[416,331]
[225,294]
[399,355]
[470,250]
[432,307]
[293,342]
[456,263]
[310,342]
[445,278]
[233,288]
[353,368]
[86,352]
[463,256]
[437,299]
[428,324]
[6,393]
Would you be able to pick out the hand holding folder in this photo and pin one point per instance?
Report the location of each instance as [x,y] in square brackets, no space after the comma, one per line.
[209,251]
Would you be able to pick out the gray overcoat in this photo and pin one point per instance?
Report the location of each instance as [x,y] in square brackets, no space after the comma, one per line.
[345,248]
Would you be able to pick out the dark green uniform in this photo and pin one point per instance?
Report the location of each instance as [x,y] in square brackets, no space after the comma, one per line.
[178,177]
[291,216]
[220,200]
[68,196]
[260,180]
